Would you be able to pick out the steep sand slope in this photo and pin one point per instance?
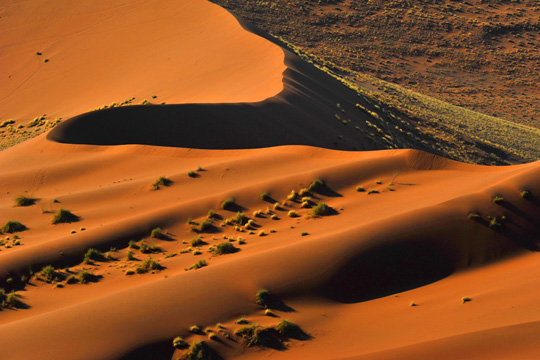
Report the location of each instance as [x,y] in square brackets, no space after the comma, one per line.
[347,279]
[104,52]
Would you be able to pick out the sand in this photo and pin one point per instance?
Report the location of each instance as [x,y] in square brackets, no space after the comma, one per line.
[347,279]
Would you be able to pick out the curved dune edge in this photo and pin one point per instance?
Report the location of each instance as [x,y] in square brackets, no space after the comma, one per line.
[101,53]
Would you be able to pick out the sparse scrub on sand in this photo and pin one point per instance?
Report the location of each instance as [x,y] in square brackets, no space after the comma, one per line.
[211,214]
[227,204]
[85,276]
[162,181]
[473,215]
[157,233]
[10,300]
[256,335]
[498,199]
[465,299]
[240,218]
[264,196]
[206,225]
[304,233]
[92,255]
[195,329]
[192,174]
[198,350]
[316,185]
[49,273]
[147,265]
[24,200]
[525,194]
[494,222]
[292,214]
[287,328]
[360,189]
[71,279]
[63,216]
[263,297]
[13,226]
[242,321]
[129,256]
[292,196]
[196,241]
[321,209]
[257,213]
[373,192]
[225,248]
[199,264]
[179,343]
[261,233]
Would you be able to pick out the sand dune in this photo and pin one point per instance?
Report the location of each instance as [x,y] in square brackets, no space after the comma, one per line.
[401,231]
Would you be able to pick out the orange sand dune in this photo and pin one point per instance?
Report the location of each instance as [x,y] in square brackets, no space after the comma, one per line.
[400,232]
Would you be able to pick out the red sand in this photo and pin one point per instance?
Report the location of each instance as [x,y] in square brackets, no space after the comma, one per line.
[350,280]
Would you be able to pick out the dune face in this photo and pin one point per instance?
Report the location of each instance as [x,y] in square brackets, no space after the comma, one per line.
[413,254]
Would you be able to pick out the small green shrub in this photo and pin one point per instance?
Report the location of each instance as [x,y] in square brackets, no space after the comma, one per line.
[263,297]
[49,273]
[157,233]
[72,279]
[162,181]
[287,328]
[360,189]
[292,214]
[196,241]
[192,174]
[465,299]
[316,185]
[13,226]
[240,218]
[494,223]
[473,215]
[92,254]
[206,225]
[195,329]
[23,200]
[242,321]
[199,264]
[498,199]
[197,351]
[10,300]
[265,196]
[321,209]
[179,343]
[225,248]
[525,194]
[227,204]
[211,214]
[147,265]
[63,216]
[129,255]
[304,233]
[373,192]
[85,276]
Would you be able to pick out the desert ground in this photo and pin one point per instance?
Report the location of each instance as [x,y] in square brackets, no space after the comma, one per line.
[199,197]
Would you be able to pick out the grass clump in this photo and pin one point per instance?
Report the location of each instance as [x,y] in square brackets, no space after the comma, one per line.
[227,204]
[195,329]
[157,233]
[465,299]
[263,297]
[92,254]
[85,276]
[242,321]
[161,181]
[13,226]
[240,218]
[23,200]
[473,215]
[10,300]
[321,209]
[288,328]
[360,189]
[63,216]
[316,185]
[525,194]
[497,199]
[206,225]
[265,196]
[197,351]
[292,214]
[373,192]
[196,242]
[199,264]
[225,248]
[147,265]
[179,343]
[304,233]
[256,335]
[49,273]
[494,223]
[129,255]
[192,174]
[72,279]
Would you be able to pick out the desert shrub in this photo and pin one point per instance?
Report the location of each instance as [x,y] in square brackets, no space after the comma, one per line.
[263,297]
[179,343]
[23,200]
[304,233]
[269,312]
[292,214]
[316,185]
[465,299]
[321,209]
[242,321]
[192,174]
[211,214]
[303,192]
[212,336]
[72,279]
[197,351]
[261,233]
[129,255]
[360,189]
[277,206]
[85,276]
[92,254]
[494,223]
[143,247]
[133,244]
[498,199]
[13,226]
[227,204]
[162,181]
[64,216]
[157,233]
[254,335]
[225,248]
[206,225]
[196,241]
[525,194]
[195,329]
[257,213]
[10,300]
[130,272]
[373,192]
[240,218]
[292,196]
[147,265]
[49,273]
[473,215]
[287,328]
[265,196]
[199,264]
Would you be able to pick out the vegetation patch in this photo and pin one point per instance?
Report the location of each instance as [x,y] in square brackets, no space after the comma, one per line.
[23,200]
[13,226]
[199,264]
[63,216]
[225,248]
[147,265]
[161,181]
